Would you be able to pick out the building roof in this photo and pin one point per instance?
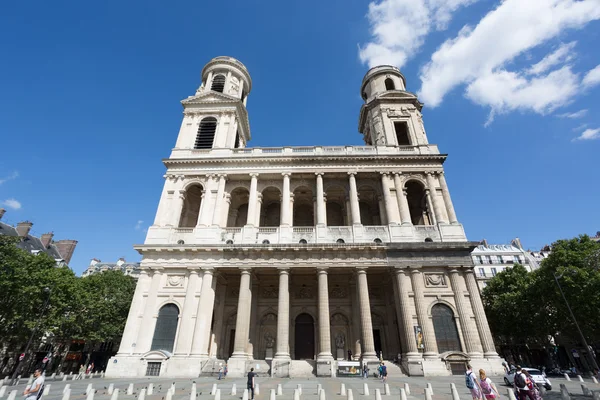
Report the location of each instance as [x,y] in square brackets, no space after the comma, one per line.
[30,243]
[96,266]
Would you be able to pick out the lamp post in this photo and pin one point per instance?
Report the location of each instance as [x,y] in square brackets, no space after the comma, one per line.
[13,380]
[594,364]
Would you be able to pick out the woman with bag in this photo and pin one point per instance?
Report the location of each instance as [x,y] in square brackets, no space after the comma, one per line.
[533,387]
[488,388]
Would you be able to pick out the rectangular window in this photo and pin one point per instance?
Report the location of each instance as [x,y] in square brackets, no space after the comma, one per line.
[479,260]
[517,259]
[488,259]
[499,259]
[482,272]
[494,272]
[153,369]
[402,133]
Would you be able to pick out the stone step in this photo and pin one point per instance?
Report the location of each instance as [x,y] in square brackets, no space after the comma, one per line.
[302,368]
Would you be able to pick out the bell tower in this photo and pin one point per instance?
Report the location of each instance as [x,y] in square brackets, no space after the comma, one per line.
[216,116]
[390,116]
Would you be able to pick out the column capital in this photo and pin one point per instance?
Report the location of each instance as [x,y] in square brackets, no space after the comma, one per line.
[222,176]
[208,270]
[361,270]
[397,173]
[415,269]
[284,174]
[440,173]
[283,270]
[319,173]
[193,270]
[430,173]
[385,173]
[245,270]
[352,173]
[401,269]
[322,270]
[254,175]
[156,270]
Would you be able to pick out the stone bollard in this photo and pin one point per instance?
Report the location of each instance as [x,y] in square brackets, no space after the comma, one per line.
[193,391]
[233,390]
[213,391]
[350,395]
[580,378]
[427,394]
[90,395]
[430,388]
[168,396]
[386,389]
[299,387]
[218,394]
[102,374]
[53,376]
[64,378]
[130,389]
[115,395]
[256,389]
[2,391]
[142,395]
[74,377]
[407,389]
[594,380]
[46,390]
[272,395]
[455,395]
[377,394]
[150,390]
[89,388]
[567,377]
[13,395]
[279,389]
[111,388]
[319,387]
[586,391]
[564,393]
[245,394]
[322,395]
[172,388]
[511,394]
[67,387]
[67,394]
[296,394]
[365,389]
[343,389]
[402,394]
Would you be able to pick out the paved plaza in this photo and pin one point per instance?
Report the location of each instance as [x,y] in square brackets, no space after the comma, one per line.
[331,386]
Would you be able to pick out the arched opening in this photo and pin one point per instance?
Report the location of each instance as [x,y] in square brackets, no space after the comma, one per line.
[335,214]
[417,203]
[389,84]
[206,133]
[444,325]
[304,214]
[304,343]
[218,83]
[336,208]
[191,207]
[270,214]
[369,206]
[366,215]
[238,210]
[166,328]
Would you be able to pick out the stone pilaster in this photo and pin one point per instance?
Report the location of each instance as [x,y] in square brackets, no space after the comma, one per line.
[469,330]
[177,208]
[387,198]
[242,323]
[253,200]
[439,214]
[489,350]
[204,314]
[431,349]
[447,199]
[354,206]
[283,316]
[321,213]
[285,201]
[402,201]
[217,217]
[186,327]
[365,316]
[135,311]
[146,331]
[406,319]
[324,326]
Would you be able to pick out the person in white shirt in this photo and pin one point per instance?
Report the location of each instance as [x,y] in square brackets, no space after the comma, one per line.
[35,391]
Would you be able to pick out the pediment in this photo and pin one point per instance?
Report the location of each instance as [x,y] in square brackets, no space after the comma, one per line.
[455,356]
[157,355]
[210,96]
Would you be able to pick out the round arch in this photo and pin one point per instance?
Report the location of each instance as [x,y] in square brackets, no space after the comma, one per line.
[165,329]
[445,328]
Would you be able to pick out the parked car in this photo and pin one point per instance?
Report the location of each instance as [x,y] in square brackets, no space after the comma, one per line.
[538,377]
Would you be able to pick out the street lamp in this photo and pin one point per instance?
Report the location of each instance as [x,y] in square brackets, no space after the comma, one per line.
[588,348]
[13,380]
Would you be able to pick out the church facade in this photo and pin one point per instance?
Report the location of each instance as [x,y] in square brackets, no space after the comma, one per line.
[292,259]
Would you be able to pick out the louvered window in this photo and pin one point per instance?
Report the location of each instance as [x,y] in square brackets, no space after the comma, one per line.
[218,83]
[206,133]
[446,333]
[166,328]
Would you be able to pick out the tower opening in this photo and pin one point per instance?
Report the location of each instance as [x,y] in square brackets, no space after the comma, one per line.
[218,83]
[191,207]
[402,137]
[206,133]
[389,84]
[237,140]
[417,203]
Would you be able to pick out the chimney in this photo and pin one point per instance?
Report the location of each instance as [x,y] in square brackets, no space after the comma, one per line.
[517,243]
[2,211]
[121,261]
[47,239]
[485,243]
[23,228]
[66,249]
[94,261]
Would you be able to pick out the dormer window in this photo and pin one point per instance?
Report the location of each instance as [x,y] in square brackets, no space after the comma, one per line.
[389,84]
[218,83]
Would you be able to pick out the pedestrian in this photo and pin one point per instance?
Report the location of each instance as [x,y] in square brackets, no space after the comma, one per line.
[533,388]
[81,371]
[472,384]
[379,371]
[89,369]
[488,389]
[220,372]
[520,383]
[35,391]
[349,355]
[251,376]
[365,370]
[225,370]
[383,373]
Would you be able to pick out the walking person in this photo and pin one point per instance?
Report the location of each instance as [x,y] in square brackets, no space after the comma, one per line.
[521,385]
[488,389]
[220,373]
[225,370]
[251,377]
[365,370]
[35,391]
[472,384]
[81,372]
[533,387]
[383,373]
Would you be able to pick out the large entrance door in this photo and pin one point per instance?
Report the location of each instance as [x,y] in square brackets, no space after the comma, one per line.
[377,341]
[304,343]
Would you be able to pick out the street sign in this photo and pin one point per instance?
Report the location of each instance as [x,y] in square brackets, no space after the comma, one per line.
[22,356]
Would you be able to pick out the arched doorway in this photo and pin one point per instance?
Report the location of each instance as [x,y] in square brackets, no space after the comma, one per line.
[304,343]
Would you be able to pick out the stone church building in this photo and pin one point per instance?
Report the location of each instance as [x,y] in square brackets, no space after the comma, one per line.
[292,259]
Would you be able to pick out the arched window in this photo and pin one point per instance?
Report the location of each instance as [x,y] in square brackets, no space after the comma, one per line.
[218,83]
[417,203]
[191,207]
[166,328]
[389,84]
[206,133]
[446,334]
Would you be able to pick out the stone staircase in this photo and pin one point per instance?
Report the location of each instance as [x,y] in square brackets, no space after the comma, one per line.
[303,368]
[211,366]
[393,369]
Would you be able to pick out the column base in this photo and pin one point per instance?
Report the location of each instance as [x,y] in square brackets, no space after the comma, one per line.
[280,367]
[369,356]
[429,355]
[326,367]
[237,367]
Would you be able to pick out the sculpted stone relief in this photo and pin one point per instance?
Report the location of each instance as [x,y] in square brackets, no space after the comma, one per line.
[338,293]
[175,280]
[304,292]
[270,292]
[435,280]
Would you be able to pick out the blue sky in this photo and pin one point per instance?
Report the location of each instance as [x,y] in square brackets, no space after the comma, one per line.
[90,91]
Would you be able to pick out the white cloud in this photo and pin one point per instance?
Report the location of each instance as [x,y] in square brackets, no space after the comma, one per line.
[589,134]
[399,28]
[580,128]
[561,55]
[478,56]
[12,203]
[592,78]
[574,115]
[12,176]
[138,225]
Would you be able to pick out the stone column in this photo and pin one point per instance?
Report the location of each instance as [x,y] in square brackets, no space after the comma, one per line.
[387,198]
[285,201]
[431,213]
[469,331]
[324,326]
[489,350]
[259,198]
[204,314]
[135,311]
[354,206]
[186,329]
[365,316]
[402,201]
[225,209]
[431,349]
[447,199]
[242,322]
[208,203]
[439,214]
[253,200]
[217,217]
[283,316]
[218,328]
[253,333]
[321,212]
[146,331]
[177,208]
[355,321]
[203,200]
[406,319]
[383,220]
